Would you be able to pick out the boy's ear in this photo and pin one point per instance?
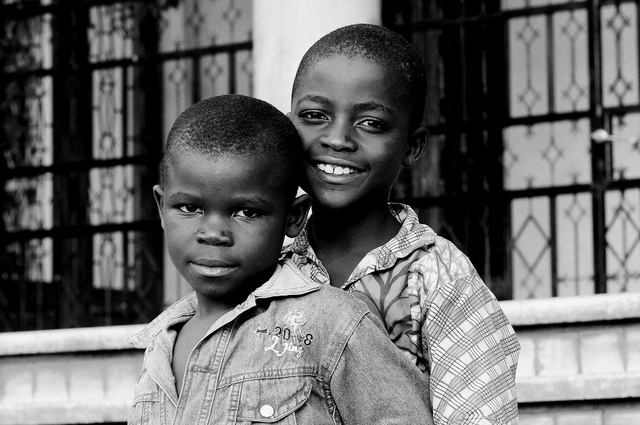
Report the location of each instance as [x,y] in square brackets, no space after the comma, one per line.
[416,143]
[298,213]
[158,195]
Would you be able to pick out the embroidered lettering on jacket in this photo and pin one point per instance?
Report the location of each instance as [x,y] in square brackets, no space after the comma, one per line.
[289,337]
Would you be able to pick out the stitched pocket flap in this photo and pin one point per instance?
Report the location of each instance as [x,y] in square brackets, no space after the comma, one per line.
[270,400]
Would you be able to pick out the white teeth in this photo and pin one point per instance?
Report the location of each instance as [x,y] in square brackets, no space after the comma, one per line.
[335,169]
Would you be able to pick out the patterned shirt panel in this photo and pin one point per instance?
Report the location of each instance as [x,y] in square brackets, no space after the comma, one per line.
[439,312]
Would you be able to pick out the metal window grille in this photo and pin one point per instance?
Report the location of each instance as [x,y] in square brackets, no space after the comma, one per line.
[512,174]
[90,89]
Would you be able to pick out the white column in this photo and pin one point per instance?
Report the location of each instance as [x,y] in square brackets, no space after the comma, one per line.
[283,30]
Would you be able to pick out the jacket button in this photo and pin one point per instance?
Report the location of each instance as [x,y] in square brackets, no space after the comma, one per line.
[267,411]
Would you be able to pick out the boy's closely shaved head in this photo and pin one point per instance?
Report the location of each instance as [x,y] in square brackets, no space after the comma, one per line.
[379,45]
[237,125]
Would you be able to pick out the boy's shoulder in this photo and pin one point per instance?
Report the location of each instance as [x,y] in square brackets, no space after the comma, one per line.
[326,316]
[420,250]
[327,310]
[442,254]
[326,301]
[179,311]
[417,245]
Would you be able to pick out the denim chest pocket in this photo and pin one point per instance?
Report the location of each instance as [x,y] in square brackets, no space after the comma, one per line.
[273,400]
[145,400]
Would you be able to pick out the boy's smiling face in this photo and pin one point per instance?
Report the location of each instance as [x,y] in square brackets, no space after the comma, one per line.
[354,125]
[224,219]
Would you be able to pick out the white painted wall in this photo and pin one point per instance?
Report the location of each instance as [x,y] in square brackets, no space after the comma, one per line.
[283,30]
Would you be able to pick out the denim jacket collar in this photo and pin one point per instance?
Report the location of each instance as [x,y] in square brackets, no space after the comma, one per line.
[286,281]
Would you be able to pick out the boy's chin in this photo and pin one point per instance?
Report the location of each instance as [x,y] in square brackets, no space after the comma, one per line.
[333,200]
[324,198]
[346,201]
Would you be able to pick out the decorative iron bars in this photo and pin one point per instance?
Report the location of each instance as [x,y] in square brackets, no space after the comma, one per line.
[90,89]
[512,174]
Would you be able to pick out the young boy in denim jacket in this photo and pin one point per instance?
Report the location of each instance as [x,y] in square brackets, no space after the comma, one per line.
[257,341]
[357,102]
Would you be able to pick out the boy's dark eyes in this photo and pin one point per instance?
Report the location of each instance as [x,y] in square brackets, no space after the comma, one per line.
[370,124]
[312,115]
[189,208]
[248,213]
[243,213]
[373,124]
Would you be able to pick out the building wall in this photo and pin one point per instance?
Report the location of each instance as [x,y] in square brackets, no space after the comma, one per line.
[68,376]
[580,359]
[580,364]
[283,30]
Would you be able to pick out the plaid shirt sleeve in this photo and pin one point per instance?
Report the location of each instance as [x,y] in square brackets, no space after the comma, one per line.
[472,351]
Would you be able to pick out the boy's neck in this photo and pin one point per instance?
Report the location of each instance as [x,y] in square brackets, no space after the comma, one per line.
[210,311]
[211,308]
[341,238]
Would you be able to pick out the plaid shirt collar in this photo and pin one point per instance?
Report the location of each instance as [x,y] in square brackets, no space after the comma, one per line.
[412,235]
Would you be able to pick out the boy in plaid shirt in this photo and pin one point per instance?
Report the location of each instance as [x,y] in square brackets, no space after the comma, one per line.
[357,103]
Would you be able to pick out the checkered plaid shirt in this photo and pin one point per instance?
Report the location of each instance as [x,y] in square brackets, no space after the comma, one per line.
[437,310]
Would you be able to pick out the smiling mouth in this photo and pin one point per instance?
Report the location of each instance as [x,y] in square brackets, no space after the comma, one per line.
[335,170]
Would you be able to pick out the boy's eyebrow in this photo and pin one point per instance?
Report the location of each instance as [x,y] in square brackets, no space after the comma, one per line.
[314,98]
[251,199]
[374,106]
[179,195]
[366,106]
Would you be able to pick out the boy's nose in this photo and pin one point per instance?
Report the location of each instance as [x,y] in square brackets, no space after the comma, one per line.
[339,138]
[214,234]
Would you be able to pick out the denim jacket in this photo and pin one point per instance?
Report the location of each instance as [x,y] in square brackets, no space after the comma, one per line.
[295,352]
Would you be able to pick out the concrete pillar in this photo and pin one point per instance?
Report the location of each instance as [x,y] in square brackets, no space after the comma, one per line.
[283,30]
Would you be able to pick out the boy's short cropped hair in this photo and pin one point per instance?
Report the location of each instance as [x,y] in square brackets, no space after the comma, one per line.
[379,45]
[237,125]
